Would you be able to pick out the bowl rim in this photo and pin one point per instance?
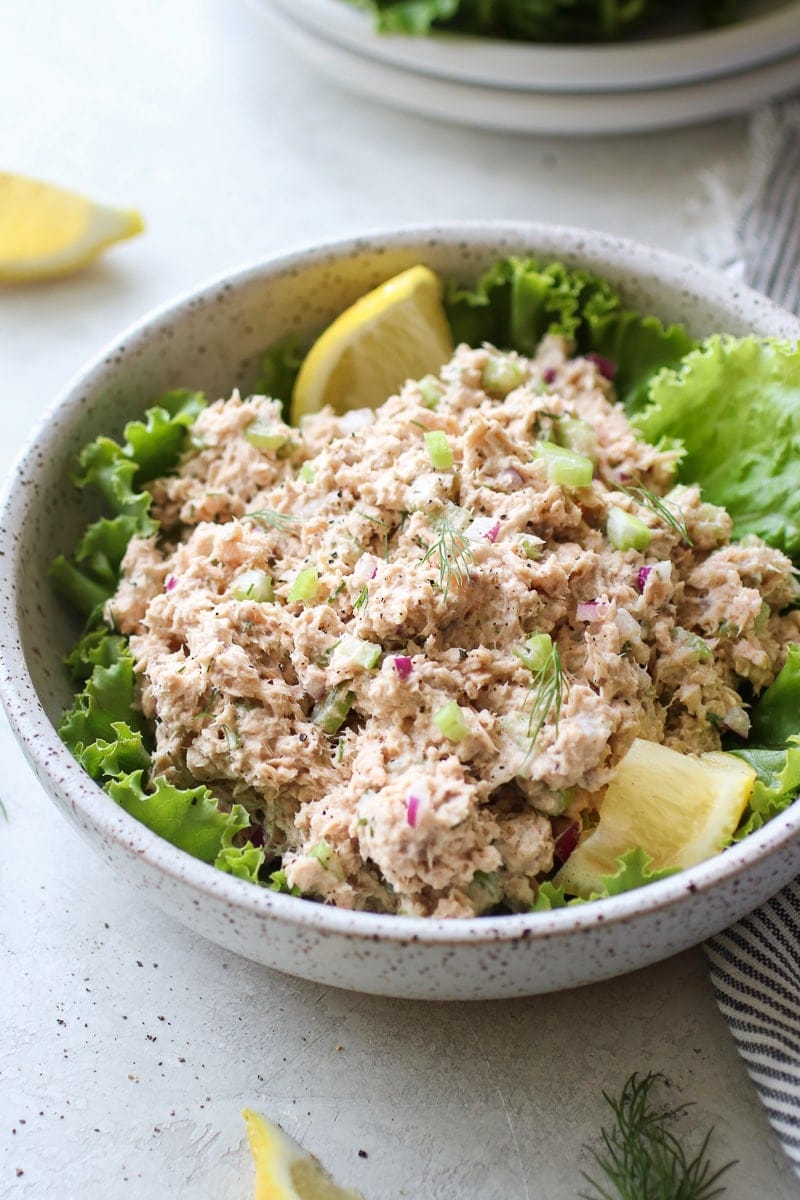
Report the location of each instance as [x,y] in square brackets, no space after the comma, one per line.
[54,764]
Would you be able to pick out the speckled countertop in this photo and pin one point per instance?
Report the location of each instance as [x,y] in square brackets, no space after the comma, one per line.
[128,1046]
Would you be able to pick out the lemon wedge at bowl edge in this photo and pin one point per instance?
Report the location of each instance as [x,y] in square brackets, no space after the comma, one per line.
[46,231]
[679,808]
[398,331]
[283,1172]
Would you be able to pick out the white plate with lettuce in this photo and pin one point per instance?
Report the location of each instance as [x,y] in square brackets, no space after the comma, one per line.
[623,55]
[735,405]
[554,111]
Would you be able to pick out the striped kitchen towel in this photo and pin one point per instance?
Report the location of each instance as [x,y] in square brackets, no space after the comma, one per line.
[755,965]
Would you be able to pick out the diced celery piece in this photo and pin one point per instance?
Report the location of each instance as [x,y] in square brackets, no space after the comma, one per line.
[323,853]
[577,436]
[431,389]
[451,722]
[502,374]
[529,544]
[440,452]
[626,532]
[356,653]
[698,646]
[253,585]
[564,467]
[762,620]
[306,473]
[265,437]
[305,586]
[331,713]
[536,651]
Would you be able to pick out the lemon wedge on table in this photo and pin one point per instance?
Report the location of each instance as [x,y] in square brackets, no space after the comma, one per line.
[46,231]
[679,808]
[396,332]
[283,1172]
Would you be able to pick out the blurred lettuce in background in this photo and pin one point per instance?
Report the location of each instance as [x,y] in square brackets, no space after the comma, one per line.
[545,20]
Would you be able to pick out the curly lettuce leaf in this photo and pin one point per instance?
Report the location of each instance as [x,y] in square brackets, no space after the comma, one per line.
[244,862]
[519,300]
[77,587]
[105,465]
[152,447]
[278,882]
[542,20]
[189,818]
[121,755]
[551,896]
[735,406]
[97,648]
[776,717]
[155,444]
[776,785]
[107,698]
[633,871]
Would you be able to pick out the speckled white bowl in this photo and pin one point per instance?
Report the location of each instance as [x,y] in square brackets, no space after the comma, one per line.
[211,339]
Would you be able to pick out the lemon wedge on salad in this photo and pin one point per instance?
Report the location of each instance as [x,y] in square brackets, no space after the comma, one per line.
[396,332]
[283,1172]
[679,808]
[46,231]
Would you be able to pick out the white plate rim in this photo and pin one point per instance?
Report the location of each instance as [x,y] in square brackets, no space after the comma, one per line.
[549,113]
[495,63]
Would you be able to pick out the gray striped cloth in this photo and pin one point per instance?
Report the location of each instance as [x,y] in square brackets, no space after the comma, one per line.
[755,965]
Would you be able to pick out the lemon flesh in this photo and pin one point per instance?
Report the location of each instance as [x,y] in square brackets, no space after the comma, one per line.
[283,1172]
[679,808]
[47,231]
[396,332]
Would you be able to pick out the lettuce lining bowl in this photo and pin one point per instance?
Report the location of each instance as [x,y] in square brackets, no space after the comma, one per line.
[212,339]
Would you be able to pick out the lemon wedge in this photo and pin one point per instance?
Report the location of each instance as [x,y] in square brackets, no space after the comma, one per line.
[679,808]
[47,231]
[283,1172]
[396,332]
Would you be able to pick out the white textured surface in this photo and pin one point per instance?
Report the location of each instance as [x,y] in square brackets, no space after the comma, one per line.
[125,1079]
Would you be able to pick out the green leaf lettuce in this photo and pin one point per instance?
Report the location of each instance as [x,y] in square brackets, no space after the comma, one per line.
[734,404]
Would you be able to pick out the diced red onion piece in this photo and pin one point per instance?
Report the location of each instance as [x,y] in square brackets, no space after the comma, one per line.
[515,477]
[589,611]
[549,375]
[403,665]
[605,366]
[566,842]
[482,527]
[374,572]
[171,582]
[641,577]
[412,811]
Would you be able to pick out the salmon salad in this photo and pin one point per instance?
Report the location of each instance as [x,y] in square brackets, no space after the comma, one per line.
[409,647]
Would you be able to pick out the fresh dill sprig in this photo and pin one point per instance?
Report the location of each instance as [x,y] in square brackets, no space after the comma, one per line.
[270,519]
[676,520]
[547,689]
[642,1159]
[382,525]
[361,599]
[452,551]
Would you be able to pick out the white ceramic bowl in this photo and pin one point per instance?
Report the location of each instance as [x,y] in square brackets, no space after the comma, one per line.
[211,339]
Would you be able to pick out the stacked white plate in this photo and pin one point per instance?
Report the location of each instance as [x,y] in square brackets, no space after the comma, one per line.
[558,89]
